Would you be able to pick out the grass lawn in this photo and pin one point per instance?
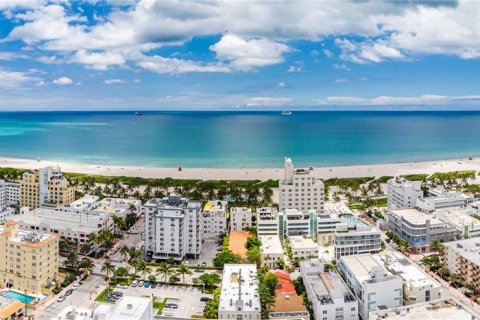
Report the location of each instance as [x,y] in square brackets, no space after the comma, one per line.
[159,304]
[381,202]
[101,297]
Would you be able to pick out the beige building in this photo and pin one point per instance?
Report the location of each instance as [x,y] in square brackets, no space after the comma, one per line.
[29,260]
[463,259]
[10,309]
[45,186]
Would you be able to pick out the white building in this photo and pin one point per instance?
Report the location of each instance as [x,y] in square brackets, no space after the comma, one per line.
[355,236]
[240,218]
[417,285]
[372,284]
[271,251]
[127,308]
[214,219]
[239,296]
[298,223]
[330,297]
[6,214]
[441,198]
[303,248]
[83,205]
[67,225]
[268,222]
[460,219]
[173,228]
[300,190]
[119,207]
[330,220]
[9,193]
[419,229]
[402,193]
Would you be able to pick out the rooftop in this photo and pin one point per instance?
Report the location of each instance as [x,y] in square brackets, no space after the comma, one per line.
[365,267]
[84,202]
[301,242]
[415,216]
[237,241]
[457,217]
[434,310]
[239,283]
[215,206]
[270,245]
[172,202]
[240,209]
[337,208]
[131,308]
[467,248]
[9,306]
[25,237]
[286,298]
[116,205]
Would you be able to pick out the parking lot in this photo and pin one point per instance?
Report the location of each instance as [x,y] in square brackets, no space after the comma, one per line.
[208,252]
[187,298]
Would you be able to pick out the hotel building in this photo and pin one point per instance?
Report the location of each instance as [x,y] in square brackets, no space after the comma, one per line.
[372,284]
[441,198]
[240,218]
[419,229]
[330,297]
[239,297]
[269,222]
[300,190]
[45,186]
[402,193]
[29,261]
[173,228]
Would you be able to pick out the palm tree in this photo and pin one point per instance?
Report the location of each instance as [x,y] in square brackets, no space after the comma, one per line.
[119,223]
[143,268]
[183,270]
[86,266]
[165,270]
[85,249]
[108,268]
[453,278]
[125,253]
[95,240]
[436,246]
[71,261]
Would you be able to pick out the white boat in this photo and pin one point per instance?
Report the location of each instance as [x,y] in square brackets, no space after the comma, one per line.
[138,113]
[286,113]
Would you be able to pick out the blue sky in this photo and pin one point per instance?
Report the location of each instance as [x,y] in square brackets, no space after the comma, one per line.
[237,55]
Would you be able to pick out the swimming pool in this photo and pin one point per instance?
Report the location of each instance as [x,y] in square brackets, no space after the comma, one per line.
[18,296]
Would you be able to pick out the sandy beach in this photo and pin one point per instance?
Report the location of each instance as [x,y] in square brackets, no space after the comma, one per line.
[249,173]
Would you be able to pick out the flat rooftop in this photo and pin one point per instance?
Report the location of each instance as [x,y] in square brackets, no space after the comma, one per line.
[434,310]
[415,216]
[84,202]
[215,206]
[361,265]
[239,283]
[86,223]
[9,306]
[458,217]
[300,242]
[132,308]
[270,245]
[237,241]
[467,248]
[26,237]
[337,208]
[240,209]
[116,205]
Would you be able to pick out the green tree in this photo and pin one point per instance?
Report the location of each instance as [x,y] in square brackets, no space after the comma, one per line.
[165,270]
[108,268]
[71,261]
[225,257]
[183,271]
[86,266]
[436,246]
[211,308]
[209,280]
[122,272]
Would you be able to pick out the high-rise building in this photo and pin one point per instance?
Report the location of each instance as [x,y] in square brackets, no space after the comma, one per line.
[30,259]
[300,190]
[45,186]
[462,258]
[402,193]
[173,228]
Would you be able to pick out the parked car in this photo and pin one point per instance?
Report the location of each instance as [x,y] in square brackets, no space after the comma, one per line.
[219,248]
[171,306]
[205,299]
[141,283]
[119,286]
[61,298]
[154,285]
[68,292]
[147,284]
[134,283]
[117,293]
[76,286]
[199,270]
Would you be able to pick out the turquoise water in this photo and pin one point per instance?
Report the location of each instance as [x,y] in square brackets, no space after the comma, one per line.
[18,296]
[239,139]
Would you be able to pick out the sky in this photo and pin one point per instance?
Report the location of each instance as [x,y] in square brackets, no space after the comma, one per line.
[239,55]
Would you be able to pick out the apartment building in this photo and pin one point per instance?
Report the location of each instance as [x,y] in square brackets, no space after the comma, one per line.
[271,251]
[11,309]
[9,193]
[240,218]
[372,284]
[402,193]
[419,229]
[43,187]
[214,219]
[119,207]
[418,287]
[463,258]
[461,220]
[300,190]
[288,304]
[442,198]
[303,248]
[30,259]
[330,297]
[173,228]
[328,223]
[6,214]
[355,236]
[269,222]
[239,297]
[66,225]
[299,223]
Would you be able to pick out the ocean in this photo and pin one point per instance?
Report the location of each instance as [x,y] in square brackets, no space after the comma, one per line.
[239,139]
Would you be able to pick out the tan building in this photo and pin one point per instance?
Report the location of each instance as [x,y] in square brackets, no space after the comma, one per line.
[45,186]
[10,309]
[462,258]
[29,259]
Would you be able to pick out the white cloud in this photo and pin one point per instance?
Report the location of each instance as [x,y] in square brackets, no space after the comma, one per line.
[249,54]
[13,4]
[267,101]
[63,81]
[178,66]
[427,99]
[14,79]
[98,60]
[340,66]
[281,84]
[327,53]
[293,69]
[115,81]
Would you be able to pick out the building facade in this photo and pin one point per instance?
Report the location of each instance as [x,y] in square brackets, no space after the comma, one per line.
[214,219]
[303,248]
[173,228]
[463,259]
[30,259]
[269,222]
[45,186]
[240,218]
[300,190]
[271,251]
[402,193]
[9,193]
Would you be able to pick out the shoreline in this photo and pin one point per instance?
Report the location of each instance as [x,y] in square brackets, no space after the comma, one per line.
[375,170]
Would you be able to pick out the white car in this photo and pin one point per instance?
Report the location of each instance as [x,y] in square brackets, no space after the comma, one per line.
[61,299]
[75,286]
[119,286]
